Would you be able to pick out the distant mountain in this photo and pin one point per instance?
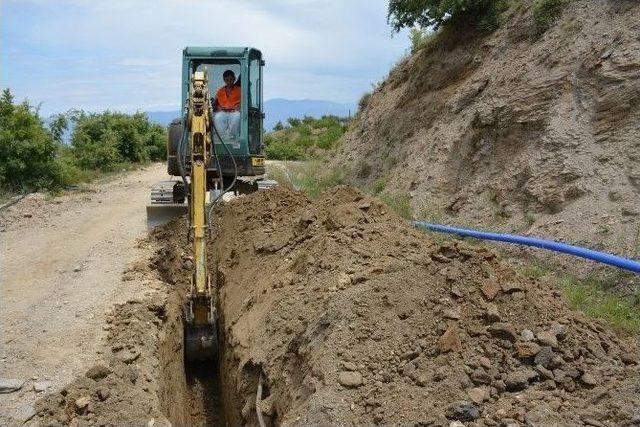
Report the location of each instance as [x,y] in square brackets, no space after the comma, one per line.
[278,110]
[163,117]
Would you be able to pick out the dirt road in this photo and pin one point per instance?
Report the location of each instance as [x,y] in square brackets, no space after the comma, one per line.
[61,265]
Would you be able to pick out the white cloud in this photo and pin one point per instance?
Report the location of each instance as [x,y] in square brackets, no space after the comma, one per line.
[130,51]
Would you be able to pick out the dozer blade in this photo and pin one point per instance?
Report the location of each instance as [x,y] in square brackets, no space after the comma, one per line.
[162,213]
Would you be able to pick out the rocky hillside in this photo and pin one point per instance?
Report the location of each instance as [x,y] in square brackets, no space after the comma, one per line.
[515,130]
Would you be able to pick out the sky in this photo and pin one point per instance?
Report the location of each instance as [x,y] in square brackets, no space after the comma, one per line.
[125,55]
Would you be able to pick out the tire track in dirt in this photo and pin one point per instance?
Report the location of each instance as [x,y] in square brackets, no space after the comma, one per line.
[61,268]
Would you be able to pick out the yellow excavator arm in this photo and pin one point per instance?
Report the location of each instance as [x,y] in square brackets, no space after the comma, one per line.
[200,331]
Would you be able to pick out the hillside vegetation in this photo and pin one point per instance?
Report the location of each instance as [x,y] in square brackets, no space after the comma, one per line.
[306,138]
[530,127]
[33,155]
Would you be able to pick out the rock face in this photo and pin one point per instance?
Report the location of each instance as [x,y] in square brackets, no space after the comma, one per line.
[539,131]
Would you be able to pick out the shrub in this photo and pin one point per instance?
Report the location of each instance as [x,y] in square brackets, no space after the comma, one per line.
[104,140]
[364,101]
[293,122]
[278,126]
[420,38]
[27,149]
[436,13]
[305,138]
[277,149]
[545,12]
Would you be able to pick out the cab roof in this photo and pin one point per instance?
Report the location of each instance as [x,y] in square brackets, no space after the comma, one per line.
[219,52]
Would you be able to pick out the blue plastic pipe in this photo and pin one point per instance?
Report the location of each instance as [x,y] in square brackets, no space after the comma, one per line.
[616,261]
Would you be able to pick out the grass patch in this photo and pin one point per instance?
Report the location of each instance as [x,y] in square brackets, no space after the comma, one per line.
[545,13]
[535,270]
[399,203]
[378,186]
[313,177]
[590,297]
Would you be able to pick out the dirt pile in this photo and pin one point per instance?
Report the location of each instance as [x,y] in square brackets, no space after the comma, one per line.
[353,317]
[515,132]
[141,380]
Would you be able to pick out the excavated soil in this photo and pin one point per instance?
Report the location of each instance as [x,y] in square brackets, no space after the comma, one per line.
[350,316]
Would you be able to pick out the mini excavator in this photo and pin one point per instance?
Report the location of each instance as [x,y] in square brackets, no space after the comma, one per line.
[208,163]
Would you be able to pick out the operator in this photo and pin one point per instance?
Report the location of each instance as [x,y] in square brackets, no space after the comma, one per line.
[227,116]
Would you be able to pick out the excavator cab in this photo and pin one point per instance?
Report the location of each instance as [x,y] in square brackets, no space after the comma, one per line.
[239,155]
[246,146]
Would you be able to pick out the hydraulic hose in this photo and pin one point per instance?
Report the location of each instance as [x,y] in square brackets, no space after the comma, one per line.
[182,155]
[602,257]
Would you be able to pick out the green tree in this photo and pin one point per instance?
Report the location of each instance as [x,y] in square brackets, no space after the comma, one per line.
[278,126]
[437,13]
[27,150]
[57,126]
[105,140]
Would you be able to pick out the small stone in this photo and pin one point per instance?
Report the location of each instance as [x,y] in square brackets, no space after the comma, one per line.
[456,292]
[23,413]
[9,385]
[499,385]
[462,411]
[544,372]
[559,375]
[81,403]
[97,372]
[450,340]
[103,394]
[559,330]
[527,349]
[545,357]
[77,268]
[526,335]
[128,356]
[504,331]
[629,358]
[492,313]
[456,424]
[453,314]
[588,379]
[480,376]
[547,338]
[40,386]
[350,366]
[484,362]
[422,379]
[350,379]
[478,395]
[519,380]
[490,289]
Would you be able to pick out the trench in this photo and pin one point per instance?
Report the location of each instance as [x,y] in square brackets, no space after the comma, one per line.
[193,394]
